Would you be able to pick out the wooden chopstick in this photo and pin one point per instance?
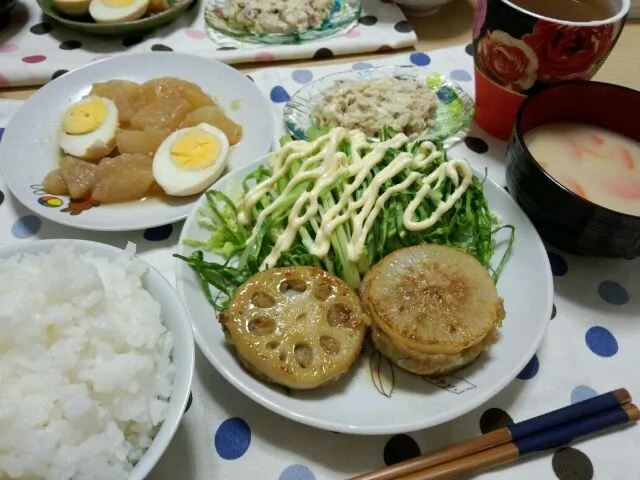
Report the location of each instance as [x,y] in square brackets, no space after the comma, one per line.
[511,452]
[501,436]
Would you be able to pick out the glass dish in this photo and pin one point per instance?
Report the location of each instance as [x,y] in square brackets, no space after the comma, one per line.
[344,16]
[452,119]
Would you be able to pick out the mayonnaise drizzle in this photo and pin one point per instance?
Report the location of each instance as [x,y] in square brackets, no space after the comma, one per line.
[324,164]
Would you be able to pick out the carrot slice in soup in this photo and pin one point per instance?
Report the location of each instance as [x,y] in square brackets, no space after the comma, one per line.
[575,187]
[596,140]
[575,149]
[594,145]
[627,158]
[627,188]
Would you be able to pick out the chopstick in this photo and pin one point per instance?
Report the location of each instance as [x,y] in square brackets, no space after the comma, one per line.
[510,452]
[502,444]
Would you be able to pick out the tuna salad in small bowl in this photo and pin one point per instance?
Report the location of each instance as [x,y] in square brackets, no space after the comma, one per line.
[415,101]
[279,21]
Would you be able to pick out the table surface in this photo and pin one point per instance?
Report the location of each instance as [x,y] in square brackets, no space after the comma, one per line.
[452,26]
[578,358]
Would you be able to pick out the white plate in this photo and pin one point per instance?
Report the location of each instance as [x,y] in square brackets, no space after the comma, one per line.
[354,404]
[29,148]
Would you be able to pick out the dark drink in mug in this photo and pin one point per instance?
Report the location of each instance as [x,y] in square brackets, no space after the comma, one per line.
[521,46]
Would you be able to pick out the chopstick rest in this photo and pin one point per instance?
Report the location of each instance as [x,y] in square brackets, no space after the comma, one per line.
[502,436]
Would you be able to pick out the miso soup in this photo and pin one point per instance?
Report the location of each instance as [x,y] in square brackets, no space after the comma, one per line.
[598,164]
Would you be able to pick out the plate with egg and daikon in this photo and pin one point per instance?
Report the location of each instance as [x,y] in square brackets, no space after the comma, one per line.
[136,150]
[114,17]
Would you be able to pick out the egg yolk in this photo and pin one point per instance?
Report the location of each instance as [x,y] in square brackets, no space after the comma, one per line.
[84,117]
[118,3]
[194,150]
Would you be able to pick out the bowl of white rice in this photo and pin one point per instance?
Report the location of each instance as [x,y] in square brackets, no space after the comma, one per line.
[96,362]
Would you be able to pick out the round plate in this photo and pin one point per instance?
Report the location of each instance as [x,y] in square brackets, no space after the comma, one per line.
[344,16]
[395,401]
[29,147]
[87,25]
[452,119]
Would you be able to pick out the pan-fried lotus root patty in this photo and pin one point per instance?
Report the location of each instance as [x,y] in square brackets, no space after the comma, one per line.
[433,309]
[300,327]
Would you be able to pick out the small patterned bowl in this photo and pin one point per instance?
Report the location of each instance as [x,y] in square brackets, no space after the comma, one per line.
[344,16]
[5,11]
[563,218]
[88,25]
[452,119]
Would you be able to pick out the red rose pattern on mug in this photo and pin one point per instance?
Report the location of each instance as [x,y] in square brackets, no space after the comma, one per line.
[516,54]
[522,53]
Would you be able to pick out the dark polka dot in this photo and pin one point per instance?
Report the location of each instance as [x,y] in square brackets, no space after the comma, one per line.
[41,28]
[559,265]
[186,409]
[58,73]
[1,197]
[226,48]
[400,448]
[420,59]
[70,45]
[1,132]
[322,53]
[476,145]
[554,312]
[571,464]
[34,59]
[506,189]
[251,78]
[384,48]
[601,342]
[232,438]
[368,20]
[613,293]
[403,27]
[531,369]
[159,47]
[132,40]
[157,234]
[469,49]
[493,419]
[279,95]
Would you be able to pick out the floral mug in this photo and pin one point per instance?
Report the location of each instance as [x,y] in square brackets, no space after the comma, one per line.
[517,53]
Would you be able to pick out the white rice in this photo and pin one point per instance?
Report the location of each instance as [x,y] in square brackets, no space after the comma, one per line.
[85,366]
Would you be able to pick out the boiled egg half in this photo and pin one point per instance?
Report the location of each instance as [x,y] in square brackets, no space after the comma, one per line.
[190,159]
[88,128]
[117,11]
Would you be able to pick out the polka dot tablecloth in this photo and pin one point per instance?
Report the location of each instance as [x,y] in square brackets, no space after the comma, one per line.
[592,346]
[34,49]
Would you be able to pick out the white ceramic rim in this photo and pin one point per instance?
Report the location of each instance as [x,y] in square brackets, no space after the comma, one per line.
[169,426]
[623,10]
[335,426]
